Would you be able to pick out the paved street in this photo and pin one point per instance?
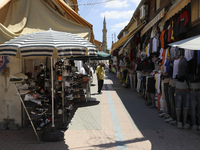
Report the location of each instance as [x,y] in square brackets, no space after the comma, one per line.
[117,120]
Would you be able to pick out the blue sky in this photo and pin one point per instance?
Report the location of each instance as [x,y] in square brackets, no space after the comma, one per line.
[117,13]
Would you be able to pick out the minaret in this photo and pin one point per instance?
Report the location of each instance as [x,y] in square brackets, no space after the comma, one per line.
[104,43]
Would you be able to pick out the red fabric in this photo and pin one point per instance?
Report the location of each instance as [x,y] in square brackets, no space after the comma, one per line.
[154,74]
[114,53]
[158,100]
[131,55]
[163,56]
[136,40]
[184,14]
[169,34]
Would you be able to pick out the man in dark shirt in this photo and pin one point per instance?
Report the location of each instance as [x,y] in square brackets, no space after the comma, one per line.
[150,65]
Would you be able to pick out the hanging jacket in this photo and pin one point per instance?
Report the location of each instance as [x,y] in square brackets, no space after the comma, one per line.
[175,27]
[183,22]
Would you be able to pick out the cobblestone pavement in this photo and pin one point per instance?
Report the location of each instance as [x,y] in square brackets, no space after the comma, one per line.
[118,119]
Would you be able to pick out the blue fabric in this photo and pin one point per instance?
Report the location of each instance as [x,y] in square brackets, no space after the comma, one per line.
[167,66]
[195,102]
[177,52]
[182,99]
[198,59]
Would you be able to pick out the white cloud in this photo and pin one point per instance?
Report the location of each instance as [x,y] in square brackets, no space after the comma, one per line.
[117,14]
[119,25]
[136,2]
[117,4]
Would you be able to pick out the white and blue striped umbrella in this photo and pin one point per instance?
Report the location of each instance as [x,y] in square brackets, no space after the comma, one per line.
[48,44]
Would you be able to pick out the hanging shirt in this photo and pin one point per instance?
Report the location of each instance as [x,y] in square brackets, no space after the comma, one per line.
[164,56]
[147,51]
[82,71]
[131,55]
[165,39]
[175,27]
[177,52]
[169,34]
[198,57]
[161,51]
[120,63]
[172,33]
[167,66]
[183,21]
[172,52]
[157,83]
[155,44]
[175,68]
[162,39]
[171,63]
[153,31]
[189,54]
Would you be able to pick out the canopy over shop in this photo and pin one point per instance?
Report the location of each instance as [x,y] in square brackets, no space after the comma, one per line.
[49,43]
[35,16]
[100,56]
[189,43]
[168,68]
[45,17]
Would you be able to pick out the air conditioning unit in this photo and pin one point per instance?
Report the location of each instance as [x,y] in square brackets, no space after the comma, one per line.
[142,12]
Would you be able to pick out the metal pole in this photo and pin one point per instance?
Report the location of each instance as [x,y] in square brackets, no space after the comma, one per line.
[27,114]
[52,94]
[63,103]
[89,94]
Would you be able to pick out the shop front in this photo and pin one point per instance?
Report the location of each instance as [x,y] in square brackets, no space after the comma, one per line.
[167,69]
[23,23]
[49,92]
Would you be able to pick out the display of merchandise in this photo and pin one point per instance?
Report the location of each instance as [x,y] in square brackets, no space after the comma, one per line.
[35,94]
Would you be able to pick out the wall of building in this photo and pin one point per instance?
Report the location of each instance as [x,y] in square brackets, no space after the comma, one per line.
[152,6]
[10,103]
[152,9]
[195,8]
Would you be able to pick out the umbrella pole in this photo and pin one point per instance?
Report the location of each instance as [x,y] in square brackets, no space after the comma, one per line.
[54,135]
[52,94]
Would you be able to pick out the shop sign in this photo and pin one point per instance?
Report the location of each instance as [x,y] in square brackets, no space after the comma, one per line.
[3,62]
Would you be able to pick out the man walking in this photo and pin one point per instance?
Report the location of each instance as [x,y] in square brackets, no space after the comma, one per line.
[100,76]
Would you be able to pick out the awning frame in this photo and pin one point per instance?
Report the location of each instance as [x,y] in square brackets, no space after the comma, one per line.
[153,21]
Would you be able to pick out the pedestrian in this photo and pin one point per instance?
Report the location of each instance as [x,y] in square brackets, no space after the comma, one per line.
[94,67]
[100,76]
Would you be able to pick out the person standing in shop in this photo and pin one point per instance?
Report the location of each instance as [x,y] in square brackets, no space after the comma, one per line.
[100,76]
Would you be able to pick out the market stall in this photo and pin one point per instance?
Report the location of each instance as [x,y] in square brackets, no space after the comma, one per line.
[100,56]
[52,44]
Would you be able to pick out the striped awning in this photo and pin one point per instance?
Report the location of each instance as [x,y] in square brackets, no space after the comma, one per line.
[48,44]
